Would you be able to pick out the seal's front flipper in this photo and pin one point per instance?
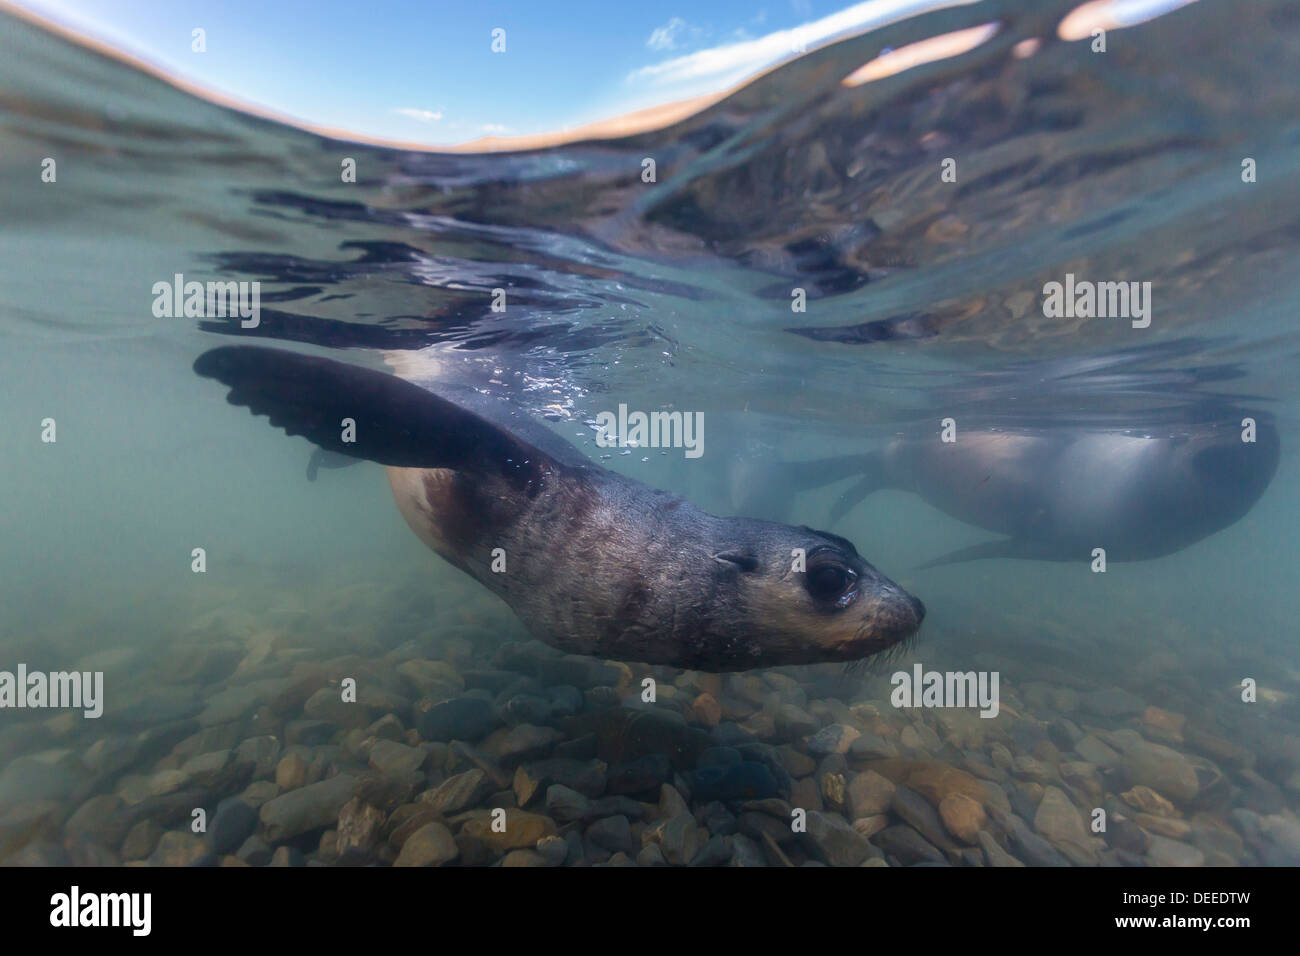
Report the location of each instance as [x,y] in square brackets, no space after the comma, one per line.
[807,475]
[314,462]
[320,458]
[387,419]
[868,468]
[1005,548]
[851,497]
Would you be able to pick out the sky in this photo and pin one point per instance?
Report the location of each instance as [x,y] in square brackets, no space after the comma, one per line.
[424,70]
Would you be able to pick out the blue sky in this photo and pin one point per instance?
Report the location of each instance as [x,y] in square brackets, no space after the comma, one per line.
[423,70]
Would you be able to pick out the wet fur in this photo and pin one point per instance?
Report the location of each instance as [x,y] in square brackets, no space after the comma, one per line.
[596,563]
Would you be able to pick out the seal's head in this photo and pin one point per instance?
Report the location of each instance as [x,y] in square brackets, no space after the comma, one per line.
[809,597]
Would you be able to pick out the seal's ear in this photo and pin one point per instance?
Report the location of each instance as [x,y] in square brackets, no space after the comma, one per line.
[366,414]
[741,560]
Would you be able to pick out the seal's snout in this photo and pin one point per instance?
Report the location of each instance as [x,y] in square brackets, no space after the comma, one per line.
[891,616]
[901,615]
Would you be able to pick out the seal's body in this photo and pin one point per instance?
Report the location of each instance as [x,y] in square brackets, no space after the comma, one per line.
[1059,493]
[591,561]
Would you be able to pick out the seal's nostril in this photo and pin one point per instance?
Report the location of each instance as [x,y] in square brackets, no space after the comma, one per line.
[920,610]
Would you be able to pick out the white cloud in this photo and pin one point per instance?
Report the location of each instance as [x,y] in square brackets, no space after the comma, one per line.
[424,116]
[721,66]
[666,36]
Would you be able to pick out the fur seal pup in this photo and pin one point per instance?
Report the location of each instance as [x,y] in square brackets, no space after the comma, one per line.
[1057,493]
[595,563]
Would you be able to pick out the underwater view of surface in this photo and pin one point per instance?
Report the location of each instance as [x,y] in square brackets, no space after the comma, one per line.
[1008,319]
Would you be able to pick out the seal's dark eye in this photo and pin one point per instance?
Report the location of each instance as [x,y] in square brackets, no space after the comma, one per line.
[827,582]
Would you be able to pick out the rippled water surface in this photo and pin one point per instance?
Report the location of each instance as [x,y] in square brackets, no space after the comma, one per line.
[924,301]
